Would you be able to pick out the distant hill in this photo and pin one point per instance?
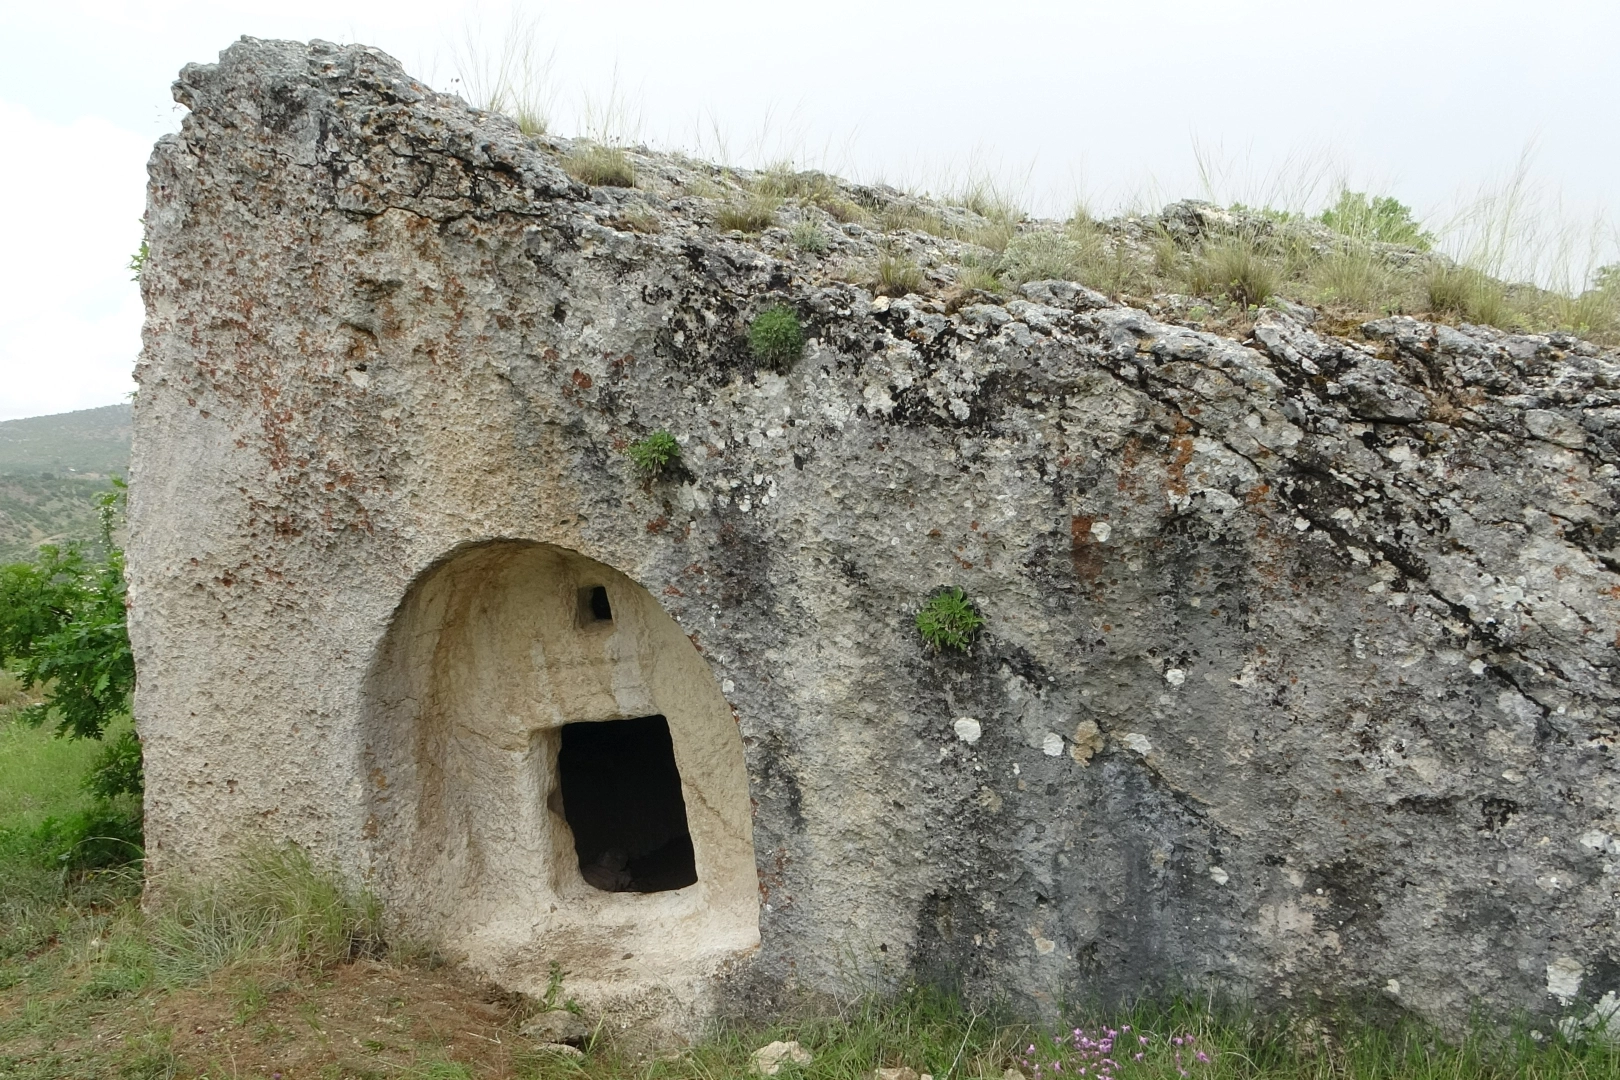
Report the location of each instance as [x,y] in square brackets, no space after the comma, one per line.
[86,441]
[51,470]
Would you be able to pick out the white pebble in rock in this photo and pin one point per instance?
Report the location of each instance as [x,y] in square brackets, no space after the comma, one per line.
[968,729]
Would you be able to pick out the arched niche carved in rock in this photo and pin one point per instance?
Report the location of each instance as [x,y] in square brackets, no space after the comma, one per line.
[507,665]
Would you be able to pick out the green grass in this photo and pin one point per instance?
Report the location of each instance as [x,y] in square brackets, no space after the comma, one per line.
[938,1033]
[275,907]
[33,763]
[77,954]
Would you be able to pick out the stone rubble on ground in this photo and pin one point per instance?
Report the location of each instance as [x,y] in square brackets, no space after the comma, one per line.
[769,1059]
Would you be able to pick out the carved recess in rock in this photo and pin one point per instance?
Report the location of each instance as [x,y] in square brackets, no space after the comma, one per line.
[1297,675]
[492,654]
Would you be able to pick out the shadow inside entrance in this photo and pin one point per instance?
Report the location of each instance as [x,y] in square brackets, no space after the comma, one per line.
[621,794]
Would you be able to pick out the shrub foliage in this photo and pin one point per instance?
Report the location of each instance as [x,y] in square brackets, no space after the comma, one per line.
[949,621]
[654,454]
[62,627]
[776,337]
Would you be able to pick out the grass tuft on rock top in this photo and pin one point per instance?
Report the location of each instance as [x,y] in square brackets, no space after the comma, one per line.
[776,337]
[751,215]
[949,621]
[600,166]
[896,275]
[653,455]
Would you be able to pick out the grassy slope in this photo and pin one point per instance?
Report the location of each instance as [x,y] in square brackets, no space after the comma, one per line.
[86,441]
[51,470]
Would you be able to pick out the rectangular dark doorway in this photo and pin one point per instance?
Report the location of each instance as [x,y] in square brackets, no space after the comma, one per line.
[621,796]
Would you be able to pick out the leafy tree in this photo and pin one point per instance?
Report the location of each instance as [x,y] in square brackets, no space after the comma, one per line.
[63,628]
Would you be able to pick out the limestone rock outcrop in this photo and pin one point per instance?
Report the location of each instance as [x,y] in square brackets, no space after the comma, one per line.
[1298,669]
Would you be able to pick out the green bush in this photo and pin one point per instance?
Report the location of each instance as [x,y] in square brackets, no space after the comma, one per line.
[106,834]
[62,627]
[1382,219]
[776,337]
[807,236]
[117,768]
[949,621]
[1044,255]
[654,454]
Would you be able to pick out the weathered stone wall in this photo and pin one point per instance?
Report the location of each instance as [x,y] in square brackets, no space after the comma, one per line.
[1298,673]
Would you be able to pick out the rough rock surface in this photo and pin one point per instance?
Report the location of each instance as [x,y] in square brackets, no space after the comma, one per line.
[1298,671]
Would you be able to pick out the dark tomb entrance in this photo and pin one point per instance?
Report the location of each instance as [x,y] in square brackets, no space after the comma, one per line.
[621,796]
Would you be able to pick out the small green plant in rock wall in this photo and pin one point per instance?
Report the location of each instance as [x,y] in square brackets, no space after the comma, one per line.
[137,261]
[949,621]
[776,337]
[654,454]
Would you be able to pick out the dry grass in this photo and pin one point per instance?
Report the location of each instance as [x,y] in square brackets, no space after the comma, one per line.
[807,188]
[896,275]
[753,214]
[1236,268]
[1264,255]
[1470,295]
[1355,277]
[514,78]
[980,279]
[600,166]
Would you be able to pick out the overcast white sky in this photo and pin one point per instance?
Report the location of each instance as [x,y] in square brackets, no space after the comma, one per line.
[1427,100]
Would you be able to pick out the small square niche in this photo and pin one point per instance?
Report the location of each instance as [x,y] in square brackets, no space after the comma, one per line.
[594,608]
